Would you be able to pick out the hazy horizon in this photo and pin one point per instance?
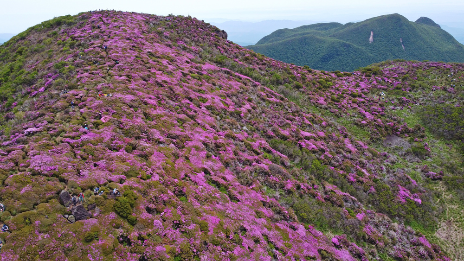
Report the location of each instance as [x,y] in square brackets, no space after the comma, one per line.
[246,33]
[17,16]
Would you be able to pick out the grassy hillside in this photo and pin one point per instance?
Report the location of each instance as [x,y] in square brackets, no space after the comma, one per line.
[218,152]
[422,40]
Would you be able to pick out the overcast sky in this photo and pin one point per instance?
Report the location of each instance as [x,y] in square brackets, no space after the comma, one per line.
[17,16]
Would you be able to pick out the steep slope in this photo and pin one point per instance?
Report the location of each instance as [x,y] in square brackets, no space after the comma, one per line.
[218,152]
[315,29]
[394,37]
[331,53]
[458,33]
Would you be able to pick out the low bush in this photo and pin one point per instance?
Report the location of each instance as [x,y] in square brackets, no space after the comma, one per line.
[454,182]
[204,227]
[122,207]
[323,216]
[90,236]
[419,151]
[132,220]
[444,120]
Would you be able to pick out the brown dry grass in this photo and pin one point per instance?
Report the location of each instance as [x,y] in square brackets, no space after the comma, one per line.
[451,229]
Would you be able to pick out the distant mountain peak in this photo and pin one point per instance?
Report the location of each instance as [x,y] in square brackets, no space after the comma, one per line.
[427,21]
[394,16]
[332,46]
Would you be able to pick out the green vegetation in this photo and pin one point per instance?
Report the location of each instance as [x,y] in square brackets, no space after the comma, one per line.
[57,21]
[444,120]
[13,76]
[333,46]
[124,205]
[322,216]
[384,200]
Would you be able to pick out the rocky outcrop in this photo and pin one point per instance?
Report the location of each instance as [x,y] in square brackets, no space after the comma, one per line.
[395,141]
[80,213]
[223,34]
[65,198]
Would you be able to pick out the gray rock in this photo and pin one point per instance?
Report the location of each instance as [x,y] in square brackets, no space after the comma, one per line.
[395,141]
[71,219]
[65,198]
[91,206]
[223,34]
[80,213]
[411,158]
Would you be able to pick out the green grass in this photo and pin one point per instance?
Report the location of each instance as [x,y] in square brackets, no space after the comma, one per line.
[353,129]
[446,156]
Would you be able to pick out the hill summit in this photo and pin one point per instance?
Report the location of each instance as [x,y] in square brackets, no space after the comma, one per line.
[334,46]
[427,21]
[128,136]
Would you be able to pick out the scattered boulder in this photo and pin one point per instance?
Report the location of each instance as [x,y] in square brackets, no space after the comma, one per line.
[65,198]
[96,212]
[80,213]
[411,157]
[395,141]
[71,219]
[91,206]
[223,34]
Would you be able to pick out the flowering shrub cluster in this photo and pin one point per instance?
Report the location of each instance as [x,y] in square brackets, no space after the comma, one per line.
[219,152]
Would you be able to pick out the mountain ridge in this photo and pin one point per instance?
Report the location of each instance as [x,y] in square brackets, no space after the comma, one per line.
[394,37]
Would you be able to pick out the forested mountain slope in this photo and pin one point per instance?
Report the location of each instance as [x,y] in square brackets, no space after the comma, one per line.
[333,46]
